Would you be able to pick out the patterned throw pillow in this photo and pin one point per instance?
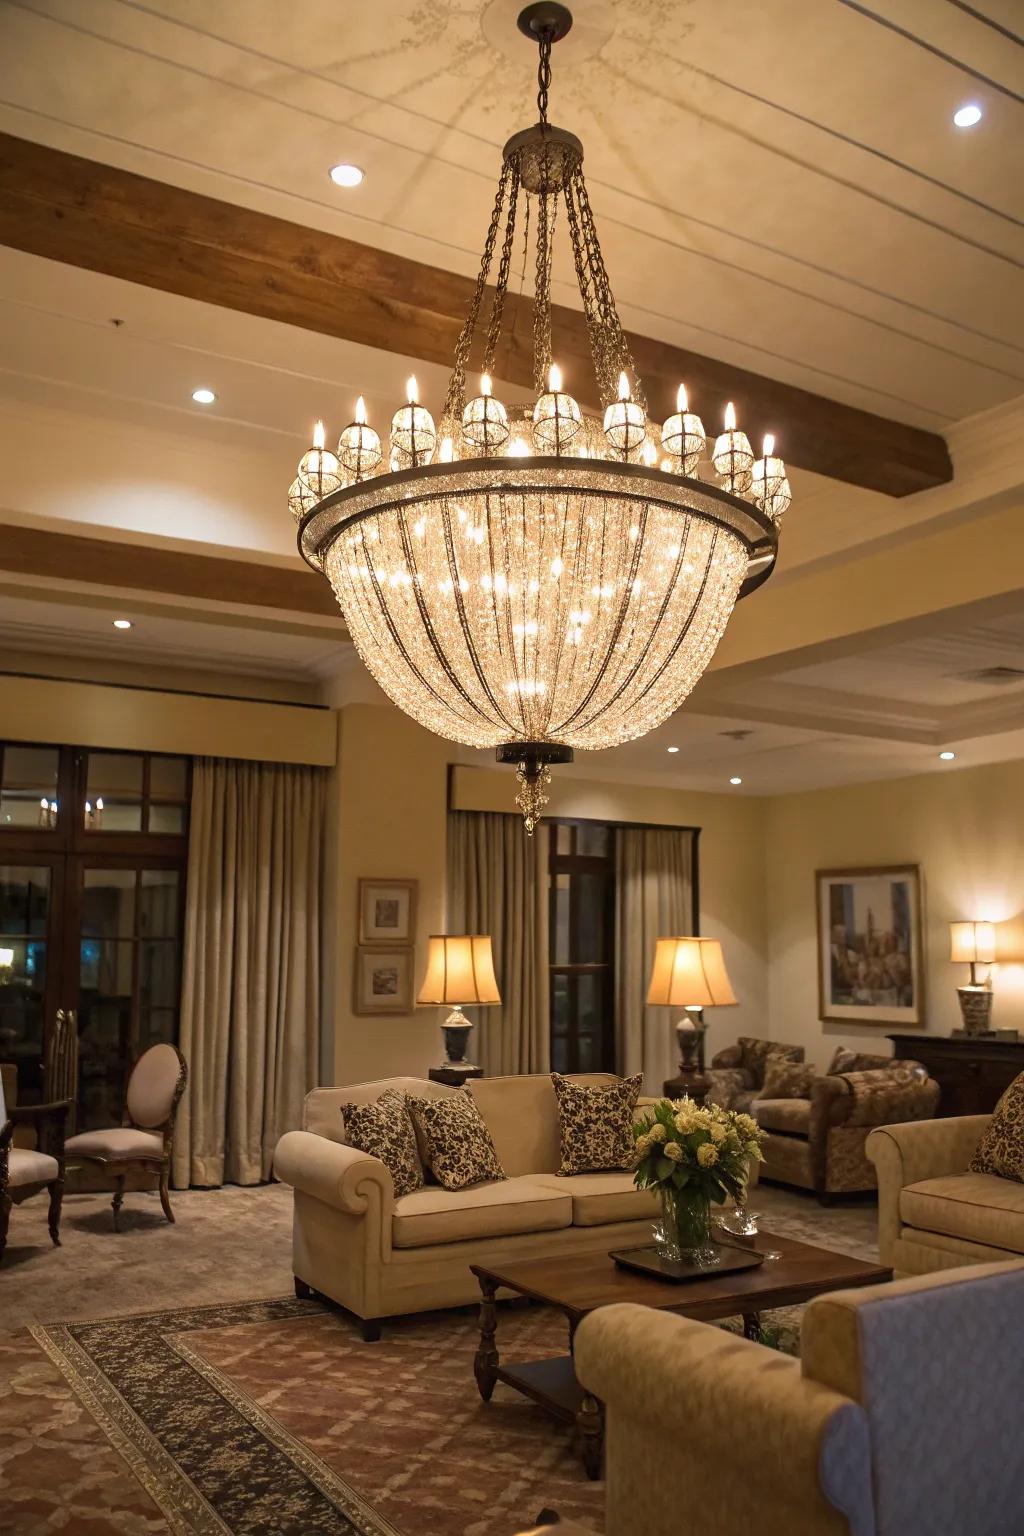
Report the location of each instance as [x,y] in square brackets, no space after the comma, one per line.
[754,1055]
[459,1146]
[1001,1149]
[383,1129]
[596,1124]
[787,1080]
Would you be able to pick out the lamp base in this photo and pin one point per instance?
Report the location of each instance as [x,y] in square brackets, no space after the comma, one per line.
[975,1009]
[691,1080]
[455,1033]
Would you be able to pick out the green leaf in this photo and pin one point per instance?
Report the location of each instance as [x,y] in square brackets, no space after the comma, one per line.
[663,1168]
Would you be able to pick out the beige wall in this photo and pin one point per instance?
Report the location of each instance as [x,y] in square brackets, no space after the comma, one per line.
[390,789]
[964,828]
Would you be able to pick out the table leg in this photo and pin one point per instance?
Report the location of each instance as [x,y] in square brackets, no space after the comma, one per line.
[590,1423]
[752,1326]
[485,1364]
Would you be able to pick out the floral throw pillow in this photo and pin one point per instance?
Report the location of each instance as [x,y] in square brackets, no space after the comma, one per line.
[1001,1149]
[787,1080]
[458,1144]
[754,1055]
[383,1129]
[596,1124]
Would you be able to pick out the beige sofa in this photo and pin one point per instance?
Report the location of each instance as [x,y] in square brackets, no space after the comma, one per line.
[901,1417]
[381,1257]
[934,1214]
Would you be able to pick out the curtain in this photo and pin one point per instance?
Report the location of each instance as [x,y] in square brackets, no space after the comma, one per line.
[653,899]
[498,884]
[250,1006]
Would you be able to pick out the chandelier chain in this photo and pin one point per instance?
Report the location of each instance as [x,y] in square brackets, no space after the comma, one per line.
[456,397]
[603,365]
[546,208]
[618,346]
[504,267]
[544,76]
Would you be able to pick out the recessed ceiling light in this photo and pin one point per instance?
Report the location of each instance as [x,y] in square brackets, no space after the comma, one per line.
[967,115]
[122,623]
[345,175]
[735,780]
[203,396]
[672,749]
[947,757]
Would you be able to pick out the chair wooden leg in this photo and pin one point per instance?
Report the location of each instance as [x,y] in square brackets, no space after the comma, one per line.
[118,1199]
[5,1215]
[165,1192]
[53,1216]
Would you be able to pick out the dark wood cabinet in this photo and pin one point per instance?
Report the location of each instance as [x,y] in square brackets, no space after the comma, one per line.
[971,1073]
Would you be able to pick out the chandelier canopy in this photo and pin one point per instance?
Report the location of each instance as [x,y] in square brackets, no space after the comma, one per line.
[524,575]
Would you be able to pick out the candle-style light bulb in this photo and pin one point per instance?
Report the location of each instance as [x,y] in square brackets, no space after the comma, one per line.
[555,379]
[412,390]
[682,403]
[360,412]
[319,436]
[446,452]
[623,387]
[485,384]
[730,417]
[99,802]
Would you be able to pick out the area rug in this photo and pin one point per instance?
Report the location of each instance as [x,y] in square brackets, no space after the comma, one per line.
[275,1417]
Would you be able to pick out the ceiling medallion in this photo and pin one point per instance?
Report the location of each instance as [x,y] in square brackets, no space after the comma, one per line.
[524,575]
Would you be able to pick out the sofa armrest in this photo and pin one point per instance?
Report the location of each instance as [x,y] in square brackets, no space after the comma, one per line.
[886,1098]
[338,1175]
[669,1381]
[906,1154]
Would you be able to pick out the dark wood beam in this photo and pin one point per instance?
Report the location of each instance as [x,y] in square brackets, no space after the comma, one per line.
[108,220]
[152,568]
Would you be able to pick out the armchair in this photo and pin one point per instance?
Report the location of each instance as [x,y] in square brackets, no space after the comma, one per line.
[26,1171]
[819,1143]
[736,1074]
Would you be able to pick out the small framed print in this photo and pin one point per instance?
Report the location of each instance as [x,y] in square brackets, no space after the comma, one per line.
[870,941]
[383,979]
[387,911]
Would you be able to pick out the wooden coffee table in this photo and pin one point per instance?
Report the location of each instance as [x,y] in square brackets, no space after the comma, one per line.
[579,1283]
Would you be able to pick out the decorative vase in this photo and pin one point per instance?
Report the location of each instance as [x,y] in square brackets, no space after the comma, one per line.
[684,1232]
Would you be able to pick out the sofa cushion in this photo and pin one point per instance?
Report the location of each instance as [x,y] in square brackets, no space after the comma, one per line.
[384,1130]
[600,1198]
[521,1114]
[1001,1149]
[792,1116]
[596,1124]
[754,1055]
[459,1149]
[431,1216]
[977,1207]
[26,1166]
[787,1079]
[120,1143]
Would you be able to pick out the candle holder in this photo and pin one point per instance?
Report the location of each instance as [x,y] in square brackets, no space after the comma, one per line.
[625,422]
[733,457]
[413,438]
[485,420]
[359,445]
[769,486]
[319,470]
[556,417]
[683,437]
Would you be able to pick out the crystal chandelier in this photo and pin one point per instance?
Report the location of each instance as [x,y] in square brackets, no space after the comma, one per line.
[524,575]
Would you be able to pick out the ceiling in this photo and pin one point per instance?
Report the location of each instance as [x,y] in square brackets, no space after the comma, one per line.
[791,209]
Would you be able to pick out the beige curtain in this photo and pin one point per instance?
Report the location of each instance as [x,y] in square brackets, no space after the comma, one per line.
[653,899]
[497,884]
[250,1006]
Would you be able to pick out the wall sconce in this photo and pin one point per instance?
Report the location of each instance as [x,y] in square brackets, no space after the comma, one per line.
[974,944]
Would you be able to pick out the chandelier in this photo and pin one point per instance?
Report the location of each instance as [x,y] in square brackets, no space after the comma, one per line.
[526,576]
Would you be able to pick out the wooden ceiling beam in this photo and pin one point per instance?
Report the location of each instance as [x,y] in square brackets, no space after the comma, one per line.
[108,220]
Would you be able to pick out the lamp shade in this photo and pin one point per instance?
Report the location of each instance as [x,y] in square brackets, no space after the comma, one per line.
[689,973]
[972,942]
[460,969]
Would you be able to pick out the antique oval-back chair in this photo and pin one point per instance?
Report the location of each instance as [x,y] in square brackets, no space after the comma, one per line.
[26,1171]
[143,1142]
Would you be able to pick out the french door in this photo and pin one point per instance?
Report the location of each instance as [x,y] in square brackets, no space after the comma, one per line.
[92,874]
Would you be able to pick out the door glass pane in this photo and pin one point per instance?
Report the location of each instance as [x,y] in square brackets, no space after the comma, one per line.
[563,838]
[559,1003]
[167,818]
[592,839]
[158,973]
[114,792]
[24,910]
[157,1026]
[108,904]
[158,904]
[168,777]
[29,778]
[560,897]
[589,891]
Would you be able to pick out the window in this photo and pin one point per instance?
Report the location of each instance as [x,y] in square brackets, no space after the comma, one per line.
[581,940]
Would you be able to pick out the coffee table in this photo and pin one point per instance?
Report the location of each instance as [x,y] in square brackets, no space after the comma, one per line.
[580,1283]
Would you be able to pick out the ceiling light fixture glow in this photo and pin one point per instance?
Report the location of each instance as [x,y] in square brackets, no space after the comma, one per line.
[672,749]
[345,175]
[947,757]
[735,780]
[967,115]
[122,623]
[203,396]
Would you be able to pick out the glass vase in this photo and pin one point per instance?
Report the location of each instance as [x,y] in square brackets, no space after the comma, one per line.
[684,1232]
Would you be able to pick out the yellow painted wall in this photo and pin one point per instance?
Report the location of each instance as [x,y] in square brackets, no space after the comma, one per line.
[965,828]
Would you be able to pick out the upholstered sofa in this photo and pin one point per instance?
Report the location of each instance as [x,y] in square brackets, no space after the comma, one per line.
[736,1075]
[933,1214]
[819,1142]
[379,1256]
[900,1419]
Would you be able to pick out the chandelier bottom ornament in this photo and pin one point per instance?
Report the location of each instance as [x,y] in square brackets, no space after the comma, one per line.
[533,761]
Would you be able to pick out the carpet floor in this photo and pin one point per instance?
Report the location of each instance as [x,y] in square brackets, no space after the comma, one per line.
[165,1413]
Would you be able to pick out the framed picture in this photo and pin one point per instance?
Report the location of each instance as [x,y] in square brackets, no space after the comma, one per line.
[383,979]
[869,945]
[387,911]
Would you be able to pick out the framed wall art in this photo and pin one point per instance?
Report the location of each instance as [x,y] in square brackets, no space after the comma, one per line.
[870,938]
[383,979]
[387,911]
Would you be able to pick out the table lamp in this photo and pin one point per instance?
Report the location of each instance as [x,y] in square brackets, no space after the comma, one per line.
[689,973]
[460,971]
[974,944]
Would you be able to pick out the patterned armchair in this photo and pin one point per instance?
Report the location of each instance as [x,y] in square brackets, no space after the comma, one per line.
[818,1142]
[736,1074]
